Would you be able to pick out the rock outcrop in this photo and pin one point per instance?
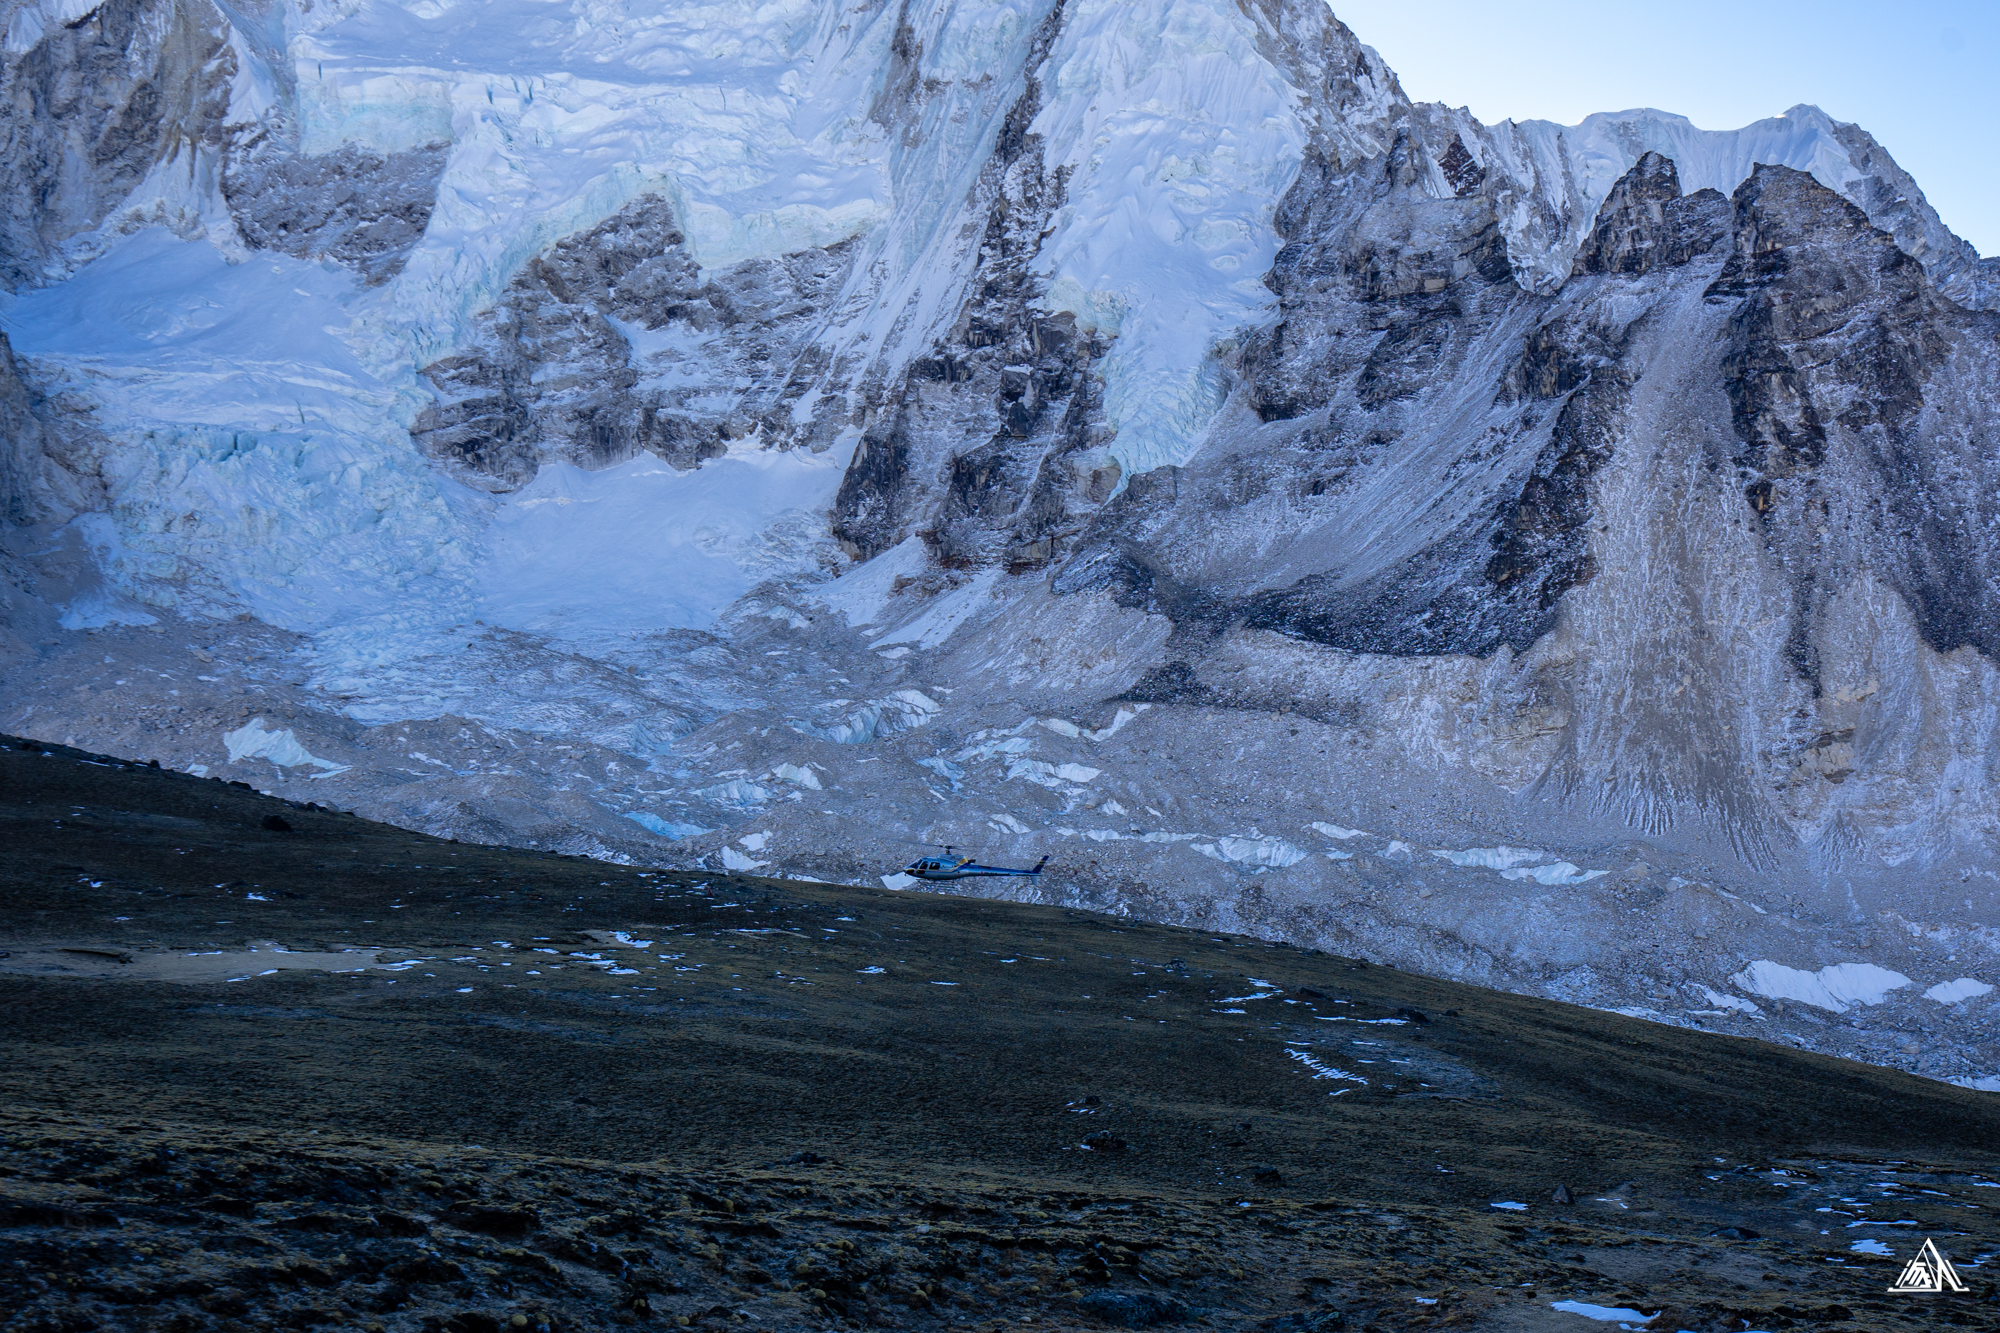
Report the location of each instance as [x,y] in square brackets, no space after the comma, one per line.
[613,342]
[93,108]
[356,207]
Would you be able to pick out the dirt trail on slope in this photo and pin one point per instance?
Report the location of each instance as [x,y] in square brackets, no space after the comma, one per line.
[574,1095]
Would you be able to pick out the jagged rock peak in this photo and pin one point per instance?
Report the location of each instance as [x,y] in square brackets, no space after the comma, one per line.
[1645,222]
[1778,206]
[1854,395]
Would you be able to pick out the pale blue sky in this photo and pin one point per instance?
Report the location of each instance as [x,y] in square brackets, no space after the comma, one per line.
[1918,75]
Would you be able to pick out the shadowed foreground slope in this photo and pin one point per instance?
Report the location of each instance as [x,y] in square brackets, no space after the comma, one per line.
[337,1074]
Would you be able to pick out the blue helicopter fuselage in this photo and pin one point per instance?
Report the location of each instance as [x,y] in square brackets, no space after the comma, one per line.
[942,868]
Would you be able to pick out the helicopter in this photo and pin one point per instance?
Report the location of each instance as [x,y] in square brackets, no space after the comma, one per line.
[951,866]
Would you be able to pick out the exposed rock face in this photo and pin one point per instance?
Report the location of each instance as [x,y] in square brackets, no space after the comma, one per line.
[48,476]
[997,451]
[25,452]
[169,112]
[1855,391]
[613,343]
[991,452]
[1537,176]
[1392,300]
[1893,201]
[1646,223]
[1440,463]
[89,111]
[354,206]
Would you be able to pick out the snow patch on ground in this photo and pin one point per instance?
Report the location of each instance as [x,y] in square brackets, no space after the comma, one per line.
[1320,1069]
[1951,992]
[943,616]
[1051,775]
[735,860]
[1252,850]
[1837,988]
[252,741]
[1104,733]
[861,595]
[1606,1313]
[1723,1000]
[1493,858]
[1517,863]
[1557,872]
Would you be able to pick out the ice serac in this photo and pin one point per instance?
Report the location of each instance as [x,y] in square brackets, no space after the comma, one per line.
[1135,433]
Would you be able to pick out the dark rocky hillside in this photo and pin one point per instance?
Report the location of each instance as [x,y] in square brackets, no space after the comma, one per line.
[529,1090]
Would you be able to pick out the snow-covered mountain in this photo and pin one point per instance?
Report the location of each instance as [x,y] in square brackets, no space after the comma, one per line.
[774,436]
